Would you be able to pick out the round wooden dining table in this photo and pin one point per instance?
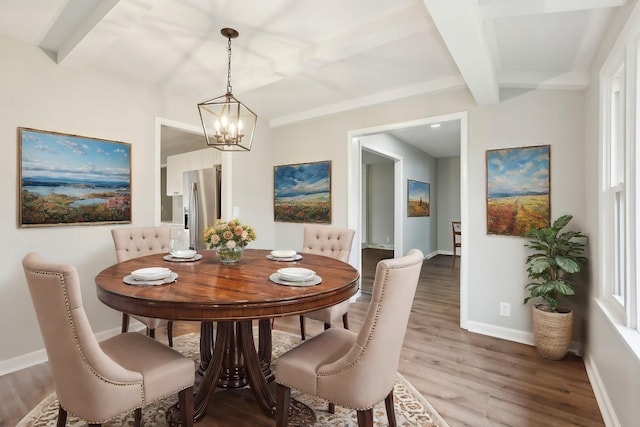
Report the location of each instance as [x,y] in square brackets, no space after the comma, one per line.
[231,296]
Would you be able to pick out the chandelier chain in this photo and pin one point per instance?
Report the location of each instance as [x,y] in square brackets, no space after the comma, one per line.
[229,67]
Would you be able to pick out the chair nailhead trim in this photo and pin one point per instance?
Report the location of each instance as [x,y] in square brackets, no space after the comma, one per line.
[79,347]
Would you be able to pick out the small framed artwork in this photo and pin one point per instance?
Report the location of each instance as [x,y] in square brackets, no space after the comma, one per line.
[302,192]
[72,180]
[518,190]
[418,203]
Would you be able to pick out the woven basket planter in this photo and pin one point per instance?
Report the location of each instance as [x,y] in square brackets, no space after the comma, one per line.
[552,332]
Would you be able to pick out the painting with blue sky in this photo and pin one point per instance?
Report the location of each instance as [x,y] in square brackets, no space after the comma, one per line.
[418,203]
[302,192]
[518,189]
[69,180]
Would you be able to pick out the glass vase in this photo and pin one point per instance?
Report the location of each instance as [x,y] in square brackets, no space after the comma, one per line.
[229,256]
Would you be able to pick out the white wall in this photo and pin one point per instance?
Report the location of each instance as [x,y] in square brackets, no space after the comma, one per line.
[380,204]
[448,207]
[497,263]
[37,93]
[418,232]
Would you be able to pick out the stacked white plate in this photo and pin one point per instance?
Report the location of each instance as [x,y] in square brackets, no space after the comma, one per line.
[283,253]
[296,274]
[184,254]
[151,273]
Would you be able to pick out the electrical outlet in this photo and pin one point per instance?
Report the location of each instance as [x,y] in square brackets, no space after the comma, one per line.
[505,309]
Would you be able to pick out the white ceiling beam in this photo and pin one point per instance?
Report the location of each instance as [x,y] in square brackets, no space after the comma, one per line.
[492,9]
[432,87]
[102,26]
[461,29]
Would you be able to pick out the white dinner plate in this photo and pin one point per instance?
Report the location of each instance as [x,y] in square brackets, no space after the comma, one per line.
[315,280]
[129,280]
[173,259]
[283,253]
[183,254]
[296,257]
[151,273]
[296,274]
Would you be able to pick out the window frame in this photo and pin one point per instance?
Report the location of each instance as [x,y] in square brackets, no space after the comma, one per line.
[619,191]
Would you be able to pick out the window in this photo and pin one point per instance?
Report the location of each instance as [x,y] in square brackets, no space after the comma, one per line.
[618,98]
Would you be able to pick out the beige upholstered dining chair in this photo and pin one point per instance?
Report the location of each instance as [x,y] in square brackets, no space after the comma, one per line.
[134,242]
[333,242]
[356,370]
[97,381]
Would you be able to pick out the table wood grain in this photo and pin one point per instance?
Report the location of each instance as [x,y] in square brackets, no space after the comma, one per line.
[209,290]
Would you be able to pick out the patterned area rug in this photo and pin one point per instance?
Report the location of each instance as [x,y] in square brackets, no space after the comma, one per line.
[411,408]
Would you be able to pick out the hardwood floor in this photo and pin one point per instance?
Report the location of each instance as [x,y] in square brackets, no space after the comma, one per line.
[370,258]
[471,379]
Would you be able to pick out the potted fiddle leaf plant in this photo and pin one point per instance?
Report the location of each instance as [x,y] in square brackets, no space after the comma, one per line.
[557,257]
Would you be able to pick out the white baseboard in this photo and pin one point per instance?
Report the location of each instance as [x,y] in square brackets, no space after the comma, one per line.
[604,403]
[500,332]
[431,255]
[40,356]
[387,246]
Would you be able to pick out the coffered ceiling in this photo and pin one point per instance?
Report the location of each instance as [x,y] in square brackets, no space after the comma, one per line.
[299,59]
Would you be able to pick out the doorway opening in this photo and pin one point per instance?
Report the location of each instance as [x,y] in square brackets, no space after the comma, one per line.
[174,138]
[356,193]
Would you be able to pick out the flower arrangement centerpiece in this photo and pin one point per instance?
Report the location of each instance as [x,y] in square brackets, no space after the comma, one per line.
[229,238]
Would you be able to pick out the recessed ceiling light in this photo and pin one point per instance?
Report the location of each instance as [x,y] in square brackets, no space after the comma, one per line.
[435,125]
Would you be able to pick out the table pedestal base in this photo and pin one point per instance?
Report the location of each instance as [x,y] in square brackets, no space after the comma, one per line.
[233,355]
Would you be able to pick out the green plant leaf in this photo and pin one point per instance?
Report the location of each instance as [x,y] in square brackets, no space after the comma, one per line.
[539,265]
[561,222]
[568,264]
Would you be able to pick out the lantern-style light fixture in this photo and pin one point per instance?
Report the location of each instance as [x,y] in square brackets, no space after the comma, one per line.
[228,124]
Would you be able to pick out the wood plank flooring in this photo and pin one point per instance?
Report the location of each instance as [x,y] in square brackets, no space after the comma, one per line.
[471,379]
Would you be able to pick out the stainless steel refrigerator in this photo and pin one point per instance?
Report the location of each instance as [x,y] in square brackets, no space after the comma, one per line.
[201,203]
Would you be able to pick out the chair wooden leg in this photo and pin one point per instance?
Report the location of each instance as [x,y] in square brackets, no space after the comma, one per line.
[170,333]
[327,326]
[365,418]
[283,399]
[151,333]
[302,335]
[185,401]
[125,322]
[332,408]
[62,417]
[391,413]
[345,320]
[137,417]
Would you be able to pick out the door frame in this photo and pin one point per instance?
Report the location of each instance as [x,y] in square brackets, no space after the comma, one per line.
[354,194]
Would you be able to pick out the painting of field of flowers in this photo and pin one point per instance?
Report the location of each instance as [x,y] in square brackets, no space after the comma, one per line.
[302,192]
[518,190]
[72,180]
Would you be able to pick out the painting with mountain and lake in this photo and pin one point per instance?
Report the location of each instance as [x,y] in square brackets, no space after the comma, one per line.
[302,192]
[72,180]
[518,190]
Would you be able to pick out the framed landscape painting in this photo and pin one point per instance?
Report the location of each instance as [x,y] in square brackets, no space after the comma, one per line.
[72,180]
[518,190]
[418,203]
[302,192]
